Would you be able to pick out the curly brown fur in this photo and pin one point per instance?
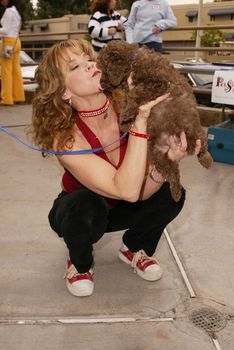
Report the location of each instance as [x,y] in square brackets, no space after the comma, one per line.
[152,76]
[115,61]
[171,117]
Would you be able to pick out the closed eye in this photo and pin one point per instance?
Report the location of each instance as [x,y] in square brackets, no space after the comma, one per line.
[74,67]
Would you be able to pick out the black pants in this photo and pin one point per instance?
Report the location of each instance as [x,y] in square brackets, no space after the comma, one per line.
[82,217]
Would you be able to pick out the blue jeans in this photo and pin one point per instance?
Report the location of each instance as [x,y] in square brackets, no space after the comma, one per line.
[154,45]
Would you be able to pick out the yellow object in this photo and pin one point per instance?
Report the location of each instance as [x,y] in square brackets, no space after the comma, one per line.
[11,77]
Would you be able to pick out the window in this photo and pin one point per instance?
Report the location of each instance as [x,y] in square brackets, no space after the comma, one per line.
[192,15]
[43,26]
[82,26]
[221,12]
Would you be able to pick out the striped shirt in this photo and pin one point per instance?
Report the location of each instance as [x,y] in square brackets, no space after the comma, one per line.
[98,26]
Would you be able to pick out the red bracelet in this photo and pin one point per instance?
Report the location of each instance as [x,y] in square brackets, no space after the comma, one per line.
[137,134]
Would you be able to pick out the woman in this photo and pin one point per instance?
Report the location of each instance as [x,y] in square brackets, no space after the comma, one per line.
[104,191]
[105,23]
[11,77]
[146,21]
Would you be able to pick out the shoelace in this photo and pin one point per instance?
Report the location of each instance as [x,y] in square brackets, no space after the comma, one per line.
[141,257]
[71,272]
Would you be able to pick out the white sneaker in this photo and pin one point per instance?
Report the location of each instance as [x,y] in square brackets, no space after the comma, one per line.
[79,284]
[145,266]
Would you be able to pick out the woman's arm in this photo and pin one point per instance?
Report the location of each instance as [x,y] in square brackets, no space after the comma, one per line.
[101,177]
[7,19]
[96,30]
[129,25]
[169,20]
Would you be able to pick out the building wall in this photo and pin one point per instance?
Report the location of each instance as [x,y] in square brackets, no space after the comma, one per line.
[44,28]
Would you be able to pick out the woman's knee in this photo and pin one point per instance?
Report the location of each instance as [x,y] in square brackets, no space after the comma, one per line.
[176,207]
[165,194]
[86,215]
[90,205]
[163,201]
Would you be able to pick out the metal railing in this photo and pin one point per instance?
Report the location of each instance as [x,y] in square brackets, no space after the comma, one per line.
[201,48]
[68,34]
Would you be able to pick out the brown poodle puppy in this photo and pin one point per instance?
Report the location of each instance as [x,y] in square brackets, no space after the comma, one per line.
[152,75]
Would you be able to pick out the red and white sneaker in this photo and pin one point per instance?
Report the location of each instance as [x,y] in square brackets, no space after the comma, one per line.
[79,284]
[145,266]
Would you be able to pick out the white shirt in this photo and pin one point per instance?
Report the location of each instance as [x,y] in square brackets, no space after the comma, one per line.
[11,23]
[144,16]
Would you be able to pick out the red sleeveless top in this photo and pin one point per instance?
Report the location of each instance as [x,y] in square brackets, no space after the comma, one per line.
[69,182]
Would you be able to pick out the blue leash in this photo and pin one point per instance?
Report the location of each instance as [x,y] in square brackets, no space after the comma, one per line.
[90,150]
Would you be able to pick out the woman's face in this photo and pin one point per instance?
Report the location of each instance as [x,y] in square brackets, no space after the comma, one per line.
[112,4]
[82,77]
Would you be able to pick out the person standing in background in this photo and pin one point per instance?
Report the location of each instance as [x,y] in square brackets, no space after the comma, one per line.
[147,20]
[105,23]
[11,77]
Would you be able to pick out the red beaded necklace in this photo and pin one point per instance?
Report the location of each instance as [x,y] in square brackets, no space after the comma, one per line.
[95,112]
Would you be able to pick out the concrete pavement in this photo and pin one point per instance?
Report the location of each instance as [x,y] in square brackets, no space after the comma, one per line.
[125,312]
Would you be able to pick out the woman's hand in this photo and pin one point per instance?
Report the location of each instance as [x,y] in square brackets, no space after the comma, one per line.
[112,31]
[178,147]
[120,26]
[144,110]
[156,30]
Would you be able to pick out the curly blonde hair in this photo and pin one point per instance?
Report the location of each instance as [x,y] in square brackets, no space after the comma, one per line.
[52,116]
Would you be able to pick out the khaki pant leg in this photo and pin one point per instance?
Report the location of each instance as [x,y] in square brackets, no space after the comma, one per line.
[17,83]
[6,81]
[11,77]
